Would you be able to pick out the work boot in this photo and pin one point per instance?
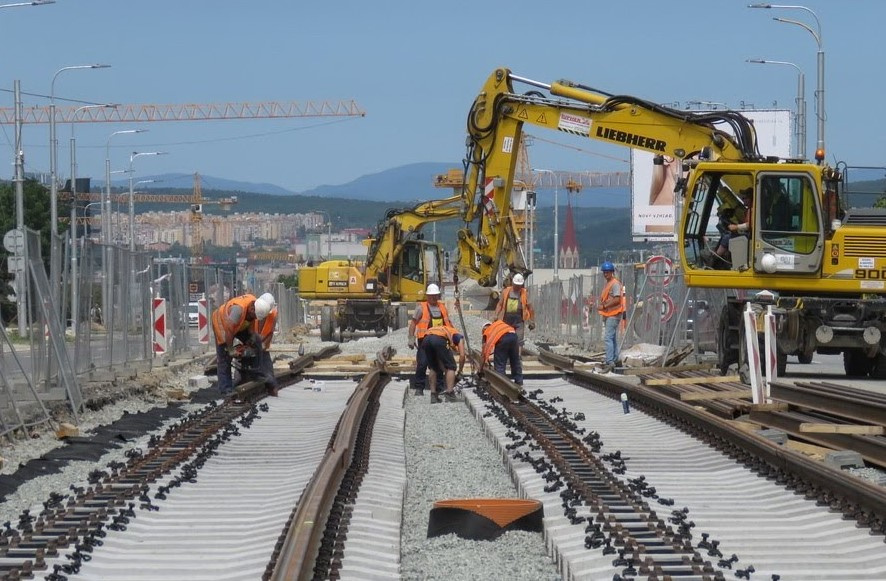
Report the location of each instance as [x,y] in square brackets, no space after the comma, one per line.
[273,391]
[449,396]
[418,391]
[435,398]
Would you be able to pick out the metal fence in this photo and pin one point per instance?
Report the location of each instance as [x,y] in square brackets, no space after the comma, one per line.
[661,309]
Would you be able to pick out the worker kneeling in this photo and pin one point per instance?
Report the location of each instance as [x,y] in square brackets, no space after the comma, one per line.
[501,341]
[438,346]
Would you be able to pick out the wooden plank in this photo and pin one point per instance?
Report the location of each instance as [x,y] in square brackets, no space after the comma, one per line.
[692,380]
[645,370]
[816,452]
[709,395]
[352,357]
[814,428]
[769,407]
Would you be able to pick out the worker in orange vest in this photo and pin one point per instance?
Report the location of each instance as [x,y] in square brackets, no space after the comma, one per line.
[259,366]
[428,313]
[234,320]
[611,309]
[501,342]
[438,345]
[514,308]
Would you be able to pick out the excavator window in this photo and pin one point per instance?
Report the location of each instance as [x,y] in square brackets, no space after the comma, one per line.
[410,264]
[714,203]
[789,219]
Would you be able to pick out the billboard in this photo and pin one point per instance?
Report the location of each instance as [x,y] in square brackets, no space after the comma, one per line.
[653,207]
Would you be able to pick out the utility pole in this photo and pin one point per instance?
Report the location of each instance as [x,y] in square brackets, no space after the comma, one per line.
[21,276]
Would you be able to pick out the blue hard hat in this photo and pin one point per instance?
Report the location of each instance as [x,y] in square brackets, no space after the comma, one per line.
[607,267]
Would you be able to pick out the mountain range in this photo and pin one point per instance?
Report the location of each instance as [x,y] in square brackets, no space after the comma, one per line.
[406,183]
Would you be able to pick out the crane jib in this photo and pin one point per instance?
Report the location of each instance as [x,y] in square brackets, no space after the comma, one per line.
[631,139]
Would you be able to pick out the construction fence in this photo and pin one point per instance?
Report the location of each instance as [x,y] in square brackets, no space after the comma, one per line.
[110,308]
[660,309]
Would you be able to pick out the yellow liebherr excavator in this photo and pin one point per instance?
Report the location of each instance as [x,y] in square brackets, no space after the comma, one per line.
[821,252]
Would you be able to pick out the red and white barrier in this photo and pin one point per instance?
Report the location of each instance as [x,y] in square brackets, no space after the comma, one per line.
[771,347]
[753,350]
[158,307]
[203,321]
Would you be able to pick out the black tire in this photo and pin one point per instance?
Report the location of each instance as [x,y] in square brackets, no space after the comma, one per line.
[878,367]
[327,324]
[727,337]
[856,363]
[804,358]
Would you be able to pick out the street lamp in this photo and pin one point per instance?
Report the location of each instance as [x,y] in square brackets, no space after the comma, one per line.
[556,220]
[819,90]
[74,278]
[107,200]
[800,125]
[328,234]
[131,204]
[34,3]
[53,163]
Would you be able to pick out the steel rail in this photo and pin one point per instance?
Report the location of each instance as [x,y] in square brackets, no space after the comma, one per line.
[296,555]
[861,406]
[830,485]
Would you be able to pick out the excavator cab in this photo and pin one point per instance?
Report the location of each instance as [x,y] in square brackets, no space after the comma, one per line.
[776,238]
[419,264]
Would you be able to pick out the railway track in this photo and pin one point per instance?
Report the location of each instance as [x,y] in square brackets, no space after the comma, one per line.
[626,495]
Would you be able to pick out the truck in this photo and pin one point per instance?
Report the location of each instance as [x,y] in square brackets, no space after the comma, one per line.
[812,252]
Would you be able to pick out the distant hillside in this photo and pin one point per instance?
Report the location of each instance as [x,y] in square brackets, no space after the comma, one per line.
[406,184]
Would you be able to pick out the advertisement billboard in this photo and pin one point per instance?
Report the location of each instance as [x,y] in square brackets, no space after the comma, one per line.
[653,207]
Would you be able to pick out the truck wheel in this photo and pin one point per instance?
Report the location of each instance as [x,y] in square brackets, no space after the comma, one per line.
[326,324]
[727,353]
[856,363]
[878,369]
[804,358]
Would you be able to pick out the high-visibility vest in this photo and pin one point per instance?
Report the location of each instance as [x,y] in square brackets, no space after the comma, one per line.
[528,315]
[604,296]
[265,328]
[223,326]
[425,323]
[448,332]
[492,335]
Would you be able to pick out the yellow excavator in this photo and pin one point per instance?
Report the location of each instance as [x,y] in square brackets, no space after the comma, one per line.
[819,251]
[370,297]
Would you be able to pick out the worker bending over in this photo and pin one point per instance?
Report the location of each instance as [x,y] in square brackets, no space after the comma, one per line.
[438,345]
[501,342]
[261,367]
[234,320]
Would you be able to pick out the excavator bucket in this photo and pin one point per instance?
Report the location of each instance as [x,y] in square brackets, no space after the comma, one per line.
[474,296]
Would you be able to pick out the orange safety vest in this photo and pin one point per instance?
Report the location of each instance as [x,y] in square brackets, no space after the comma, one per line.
[445,331]
[604,296]
[492,334]
[265,328]
[528,315]
[222,326]
[422,326]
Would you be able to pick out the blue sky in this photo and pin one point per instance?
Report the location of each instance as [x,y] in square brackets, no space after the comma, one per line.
[415,68]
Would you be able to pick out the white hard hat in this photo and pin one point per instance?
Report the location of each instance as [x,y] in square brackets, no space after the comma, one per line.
[269,298]
[518,279]
[262,308]
[487,324]
[432,289]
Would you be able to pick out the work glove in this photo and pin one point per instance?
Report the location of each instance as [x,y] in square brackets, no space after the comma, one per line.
[531,325]
[232,351]
[411,343]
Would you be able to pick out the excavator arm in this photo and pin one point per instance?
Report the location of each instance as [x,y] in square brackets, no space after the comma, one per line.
[494,127]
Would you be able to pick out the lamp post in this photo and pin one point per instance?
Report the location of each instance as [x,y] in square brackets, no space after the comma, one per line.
[53,163]
[819,89]
[556,220]
[34,3]
[800,125]
[107,200]
[131,204]
[530,203]
[75,314]
[328,234]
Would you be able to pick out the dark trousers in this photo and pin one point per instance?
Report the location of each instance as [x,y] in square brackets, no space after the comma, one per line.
[258,368]
[438,355]
[421,367]
[507,350]
[223,361]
